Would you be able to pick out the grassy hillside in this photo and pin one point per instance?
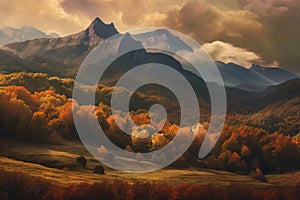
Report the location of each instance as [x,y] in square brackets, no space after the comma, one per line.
[35,181]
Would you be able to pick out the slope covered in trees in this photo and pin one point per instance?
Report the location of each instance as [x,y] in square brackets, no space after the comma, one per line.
[35,107]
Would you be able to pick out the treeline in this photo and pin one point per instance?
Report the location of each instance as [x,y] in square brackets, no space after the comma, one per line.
[38,82]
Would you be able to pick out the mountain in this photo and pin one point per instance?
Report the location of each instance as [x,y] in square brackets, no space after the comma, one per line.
[256,78]
[141,56]
[249,102]
[10,34]
[11,63]
[162,39]
[273,74]
[65,53]
[63,56]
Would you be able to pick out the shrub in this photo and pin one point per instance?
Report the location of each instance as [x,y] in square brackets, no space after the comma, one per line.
[81,160]
[98,169]
[258,175]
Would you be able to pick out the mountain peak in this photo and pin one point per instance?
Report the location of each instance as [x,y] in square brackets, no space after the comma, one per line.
[97,20]
[163,39]
[101,29]
[163,31]
[256,67]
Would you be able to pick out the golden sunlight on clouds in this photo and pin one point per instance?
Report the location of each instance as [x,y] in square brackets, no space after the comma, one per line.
[225,52]
[47,15]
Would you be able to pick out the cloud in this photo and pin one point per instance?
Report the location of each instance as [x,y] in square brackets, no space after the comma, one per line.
[46,15]
[270,28]
[225,52]
[125,14]
[196,18]
[206,22]
[279,37]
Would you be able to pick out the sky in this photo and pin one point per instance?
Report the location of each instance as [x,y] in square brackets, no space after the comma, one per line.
[263,32]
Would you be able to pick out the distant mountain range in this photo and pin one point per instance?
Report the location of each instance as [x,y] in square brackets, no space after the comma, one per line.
[62,56]
[10,34]
[256,78]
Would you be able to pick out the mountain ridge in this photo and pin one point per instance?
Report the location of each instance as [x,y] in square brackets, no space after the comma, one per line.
[10,34]
[163,39]
[68,52]
[63,56]
[256,78]
[101,29]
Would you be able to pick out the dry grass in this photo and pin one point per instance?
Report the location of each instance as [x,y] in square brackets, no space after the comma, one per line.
[20,180]
[173,182]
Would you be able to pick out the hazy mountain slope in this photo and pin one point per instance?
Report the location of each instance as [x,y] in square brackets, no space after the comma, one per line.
[235,75]
[254,79]
[11,63]
[273,74]
[10,34]
[248,102]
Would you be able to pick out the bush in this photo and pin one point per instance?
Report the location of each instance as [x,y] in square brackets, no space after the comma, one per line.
[81,160]
[258,175]
[98,169]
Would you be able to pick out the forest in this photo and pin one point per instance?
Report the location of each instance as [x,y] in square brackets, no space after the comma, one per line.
[37,108]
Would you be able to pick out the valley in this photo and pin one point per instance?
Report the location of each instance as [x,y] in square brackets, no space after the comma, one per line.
[41,154]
